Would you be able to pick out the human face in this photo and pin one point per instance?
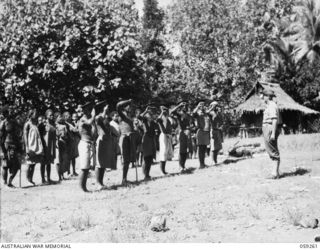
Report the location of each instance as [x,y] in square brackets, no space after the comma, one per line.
[149,117]
[80,111]
[50,116]
[136,123]
[115,117]
[40,120]
[74,117]
[155,116]
[128,109]
[67,116]
[138,112]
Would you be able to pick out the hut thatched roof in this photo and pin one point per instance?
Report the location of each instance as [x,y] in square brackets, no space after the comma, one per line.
[254,103]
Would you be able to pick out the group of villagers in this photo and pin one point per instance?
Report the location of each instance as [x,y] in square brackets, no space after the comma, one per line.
[99,139]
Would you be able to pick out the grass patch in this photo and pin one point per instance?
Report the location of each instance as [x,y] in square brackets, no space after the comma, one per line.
[5,237]
[270,197]
[254,213]
[81,222]
[294,216]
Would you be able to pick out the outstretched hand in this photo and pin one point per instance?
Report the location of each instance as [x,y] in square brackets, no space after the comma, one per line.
[201,104]
[93,112]
[183,104]
[106,108]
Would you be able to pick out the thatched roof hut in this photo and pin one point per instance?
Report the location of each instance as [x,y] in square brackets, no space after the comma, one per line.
[253,102]
[292,113]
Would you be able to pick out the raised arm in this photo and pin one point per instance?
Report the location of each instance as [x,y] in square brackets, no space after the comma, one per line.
[142,115]
[105,112]
[210,109]
[195,111]
[160,123]
[120,106]
[26,129]
[91,120]
[2,139]
[172,111]
[72,128]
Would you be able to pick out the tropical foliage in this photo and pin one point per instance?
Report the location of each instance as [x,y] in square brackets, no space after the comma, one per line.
[56,53]
[63,52]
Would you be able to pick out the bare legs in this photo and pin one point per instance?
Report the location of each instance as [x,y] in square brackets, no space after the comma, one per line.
[30,172]
[99,176]
[83,179]
[202,154]
[73,163]
[146,167]
[275,171]
[163,167]
[215,156]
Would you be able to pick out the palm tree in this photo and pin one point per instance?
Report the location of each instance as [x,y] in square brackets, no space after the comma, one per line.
[278,54]
[304,32]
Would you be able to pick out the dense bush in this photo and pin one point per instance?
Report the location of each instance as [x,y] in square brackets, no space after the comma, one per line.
[56,53]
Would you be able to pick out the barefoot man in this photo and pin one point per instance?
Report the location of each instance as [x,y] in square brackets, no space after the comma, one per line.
[87,130]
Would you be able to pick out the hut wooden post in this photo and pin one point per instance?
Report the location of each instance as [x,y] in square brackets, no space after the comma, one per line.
[300,123]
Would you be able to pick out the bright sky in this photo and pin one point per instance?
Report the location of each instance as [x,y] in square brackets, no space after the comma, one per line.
[162,3]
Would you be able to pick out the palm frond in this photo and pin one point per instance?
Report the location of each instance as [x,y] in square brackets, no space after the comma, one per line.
[301,50]
[282,47]
[317,29]
[311,56]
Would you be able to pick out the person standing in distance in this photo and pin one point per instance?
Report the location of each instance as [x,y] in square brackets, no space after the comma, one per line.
[270,130]
[87,130]
[203,131]
[127,145]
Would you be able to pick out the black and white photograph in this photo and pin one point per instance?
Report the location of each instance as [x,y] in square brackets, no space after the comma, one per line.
[159,121]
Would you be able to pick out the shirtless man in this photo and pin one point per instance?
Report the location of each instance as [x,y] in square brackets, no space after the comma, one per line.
[87,130]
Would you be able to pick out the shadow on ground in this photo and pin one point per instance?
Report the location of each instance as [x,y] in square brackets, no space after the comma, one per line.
[298,171]
[137,183]
[235,160]
[44,184]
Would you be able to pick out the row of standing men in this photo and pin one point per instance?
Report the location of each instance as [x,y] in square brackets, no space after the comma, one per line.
[97,136]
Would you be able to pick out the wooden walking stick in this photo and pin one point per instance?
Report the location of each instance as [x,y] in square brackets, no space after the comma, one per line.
[136,171]
[20,176]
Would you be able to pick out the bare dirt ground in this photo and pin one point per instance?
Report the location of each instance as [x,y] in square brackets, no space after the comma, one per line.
[227,203]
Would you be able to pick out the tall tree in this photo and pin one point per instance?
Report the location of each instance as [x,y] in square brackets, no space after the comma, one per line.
[152,43]
[55,52]
[222,46]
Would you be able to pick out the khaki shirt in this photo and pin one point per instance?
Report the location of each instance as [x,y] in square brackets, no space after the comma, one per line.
[270,113]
